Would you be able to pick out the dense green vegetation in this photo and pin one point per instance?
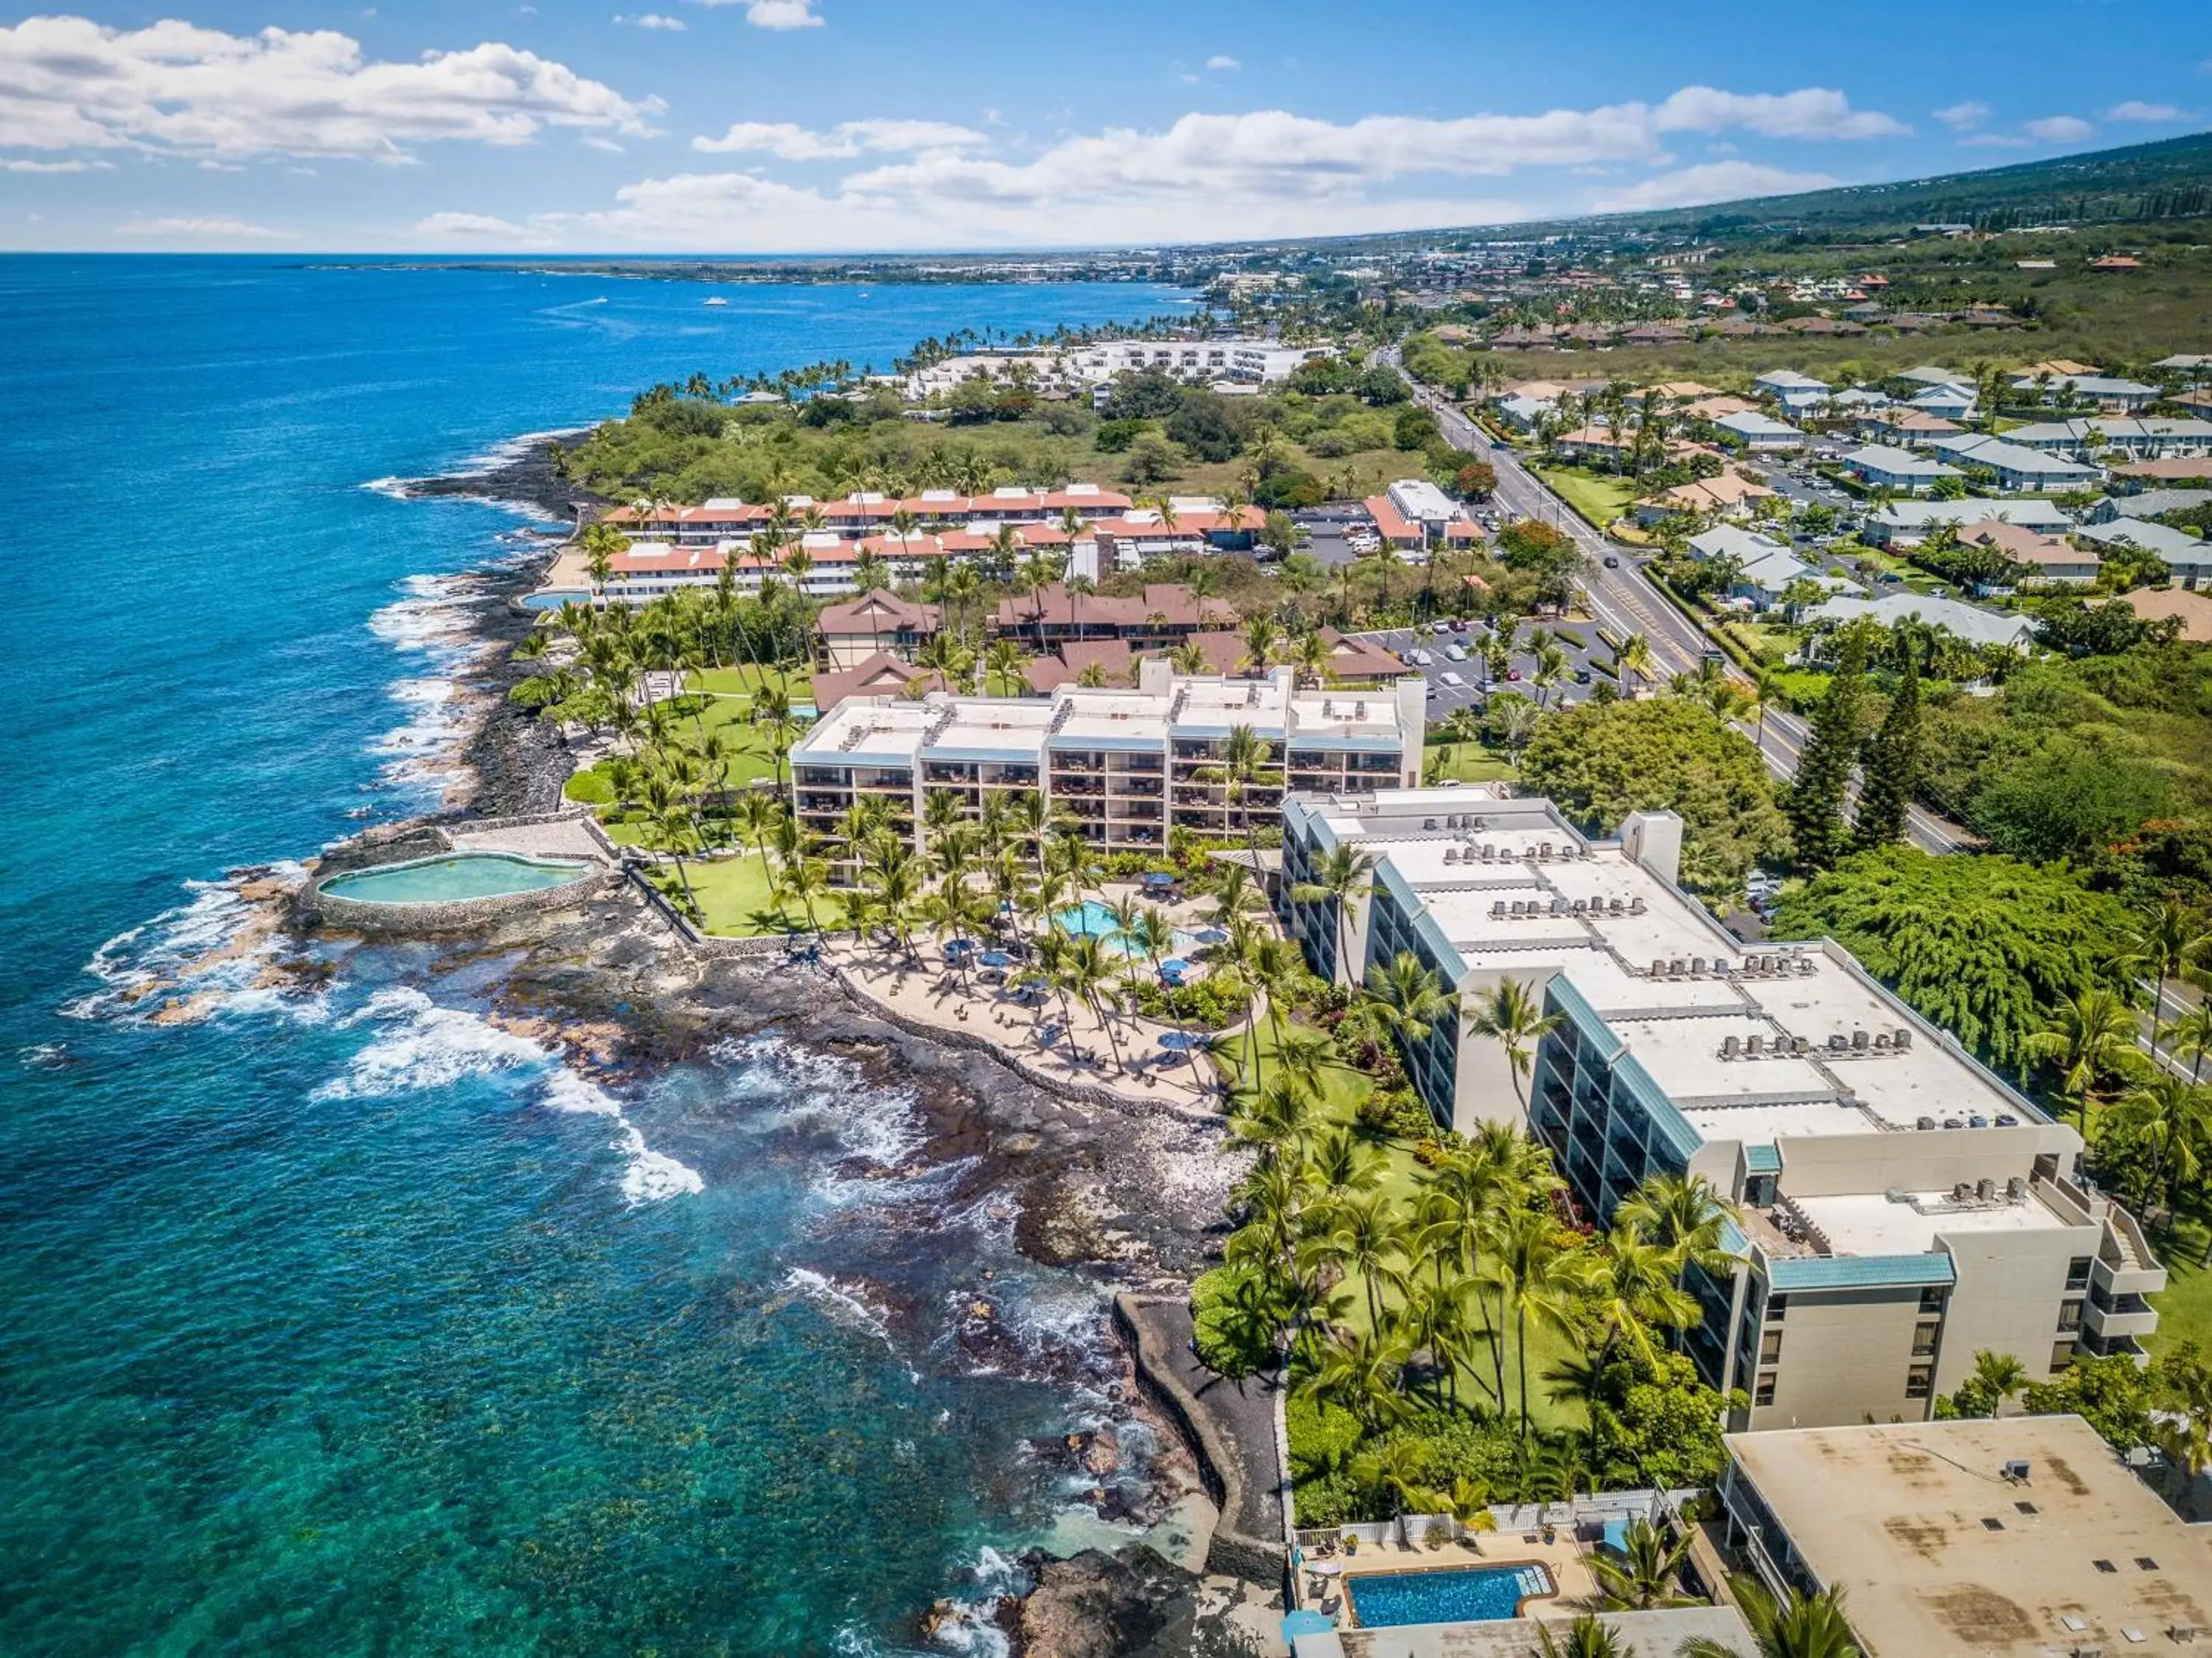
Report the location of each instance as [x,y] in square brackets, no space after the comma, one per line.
[1334,432]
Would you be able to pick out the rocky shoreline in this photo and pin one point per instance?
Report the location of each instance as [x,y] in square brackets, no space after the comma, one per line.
[1107,1192]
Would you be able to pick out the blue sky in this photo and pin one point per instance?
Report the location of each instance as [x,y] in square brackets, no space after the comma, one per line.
[806,125]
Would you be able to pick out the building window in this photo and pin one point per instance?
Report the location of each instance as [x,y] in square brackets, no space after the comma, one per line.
[1923,1339]
[2078,1272]
[1769,1347]
[1764,1393]
[1776,1307]
[1919,1382]
[1931,1299]
[2061,1355]
[2069,1315]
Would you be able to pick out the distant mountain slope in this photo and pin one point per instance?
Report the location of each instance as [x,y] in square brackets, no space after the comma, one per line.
[2172,178]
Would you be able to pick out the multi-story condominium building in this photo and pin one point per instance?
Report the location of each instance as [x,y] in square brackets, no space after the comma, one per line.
[1261,362]
[1128,765]
[1902,1208]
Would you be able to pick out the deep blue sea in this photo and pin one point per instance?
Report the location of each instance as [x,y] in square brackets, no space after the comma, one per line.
[351,1322]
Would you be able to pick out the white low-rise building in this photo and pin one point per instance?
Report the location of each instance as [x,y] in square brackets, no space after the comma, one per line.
[1977,627]
[1904,524]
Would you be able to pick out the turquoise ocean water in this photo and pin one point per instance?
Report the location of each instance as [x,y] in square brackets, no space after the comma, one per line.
[351,1322]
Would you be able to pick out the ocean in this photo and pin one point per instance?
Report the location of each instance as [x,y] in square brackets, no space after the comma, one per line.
[353,1320]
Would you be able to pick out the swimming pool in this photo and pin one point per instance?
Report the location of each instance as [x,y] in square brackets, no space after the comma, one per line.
[454,877]
[1449,1594]
[1093,920]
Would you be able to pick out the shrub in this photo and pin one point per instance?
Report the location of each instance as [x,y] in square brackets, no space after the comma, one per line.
[590,788]
[1227,1342]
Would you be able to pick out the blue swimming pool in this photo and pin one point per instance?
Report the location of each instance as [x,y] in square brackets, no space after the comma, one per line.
[456,877]
[1095,920]
[1452,1594]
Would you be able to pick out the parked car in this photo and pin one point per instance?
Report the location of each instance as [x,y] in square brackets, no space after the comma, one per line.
[1440,627]
[1456,651]
[1581,676]
[1459,624]
[1512,672]
[1611,561]
[1451,680]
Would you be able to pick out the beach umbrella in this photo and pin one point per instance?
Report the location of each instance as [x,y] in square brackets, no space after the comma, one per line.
[1175,965]
[1306,1622]
[995,959]
[1212,935]
[1182,1041]
[1159,878]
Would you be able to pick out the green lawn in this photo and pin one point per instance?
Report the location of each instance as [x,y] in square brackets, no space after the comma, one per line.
[720,700]
[1597,497]
[1465,762]
[2185,1306]
[1342,1089]
[734,900]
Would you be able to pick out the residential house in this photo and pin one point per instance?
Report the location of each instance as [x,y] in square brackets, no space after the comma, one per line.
[880,674]
[1760,434]
[2142,474]
[1929,375]
[2148,503]
[1160,618]
[2017,469]
[2153,437]
[1797,393]
[2041,557]
[1908,428]
[1972,624]
[1880,466]
[1717,407]
[1589,443]
[2189,557]
[1524,413]
[2193,610]
[1728,496]
[1905,524]
[2122,396]
[1949,402]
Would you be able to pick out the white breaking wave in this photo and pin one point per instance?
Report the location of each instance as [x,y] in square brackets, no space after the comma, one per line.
[199,949]
[424,1045]
[433,621]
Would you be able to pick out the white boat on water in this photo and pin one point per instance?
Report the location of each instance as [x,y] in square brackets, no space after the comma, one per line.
[717,300]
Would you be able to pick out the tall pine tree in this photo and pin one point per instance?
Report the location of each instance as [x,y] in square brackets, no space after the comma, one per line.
[1815,807]
[1890,772]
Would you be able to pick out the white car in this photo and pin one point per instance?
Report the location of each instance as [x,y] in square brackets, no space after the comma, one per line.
[1457,652]
[1451,680]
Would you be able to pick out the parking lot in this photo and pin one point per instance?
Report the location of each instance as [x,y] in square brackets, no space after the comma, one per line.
[1579,638]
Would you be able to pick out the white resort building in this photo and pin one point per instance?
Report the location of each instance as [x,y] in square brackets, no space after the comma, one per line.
[1903,1208]
[1127,764]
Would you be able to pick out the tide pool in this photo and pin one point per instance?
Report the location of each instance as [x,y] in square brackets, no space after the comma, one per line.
[353,1320]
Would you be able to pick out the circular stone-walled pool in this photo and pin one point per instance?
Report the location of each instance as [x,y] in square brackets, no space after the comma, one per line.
[452,889]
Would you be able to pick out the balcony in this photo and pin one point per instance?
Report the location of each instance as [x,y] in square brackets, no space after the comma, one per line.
[1137,811]
[2125,1265]
[2111,1318]
[1138,787]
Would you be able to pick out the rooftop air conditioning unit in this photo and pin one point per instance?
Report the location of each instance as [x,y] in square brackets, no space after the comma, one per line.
[1730,1046]
[1897,1194]
[1861,1041]
[1904,1037]
[1754,1044]
[1986,1190]
[2017,1468]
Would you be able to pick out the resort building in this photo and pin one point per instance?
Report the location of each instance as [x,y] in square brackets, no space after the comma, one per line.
[1906,428]
[2016,1538]
[2004,629]
[1127,764]
[1413,515]
[726,518]
[1728,496]
[2040,557]
[1902,1207]
[2122,396]
[1797,393]
[875,622]
[2188,557]
[1258,362]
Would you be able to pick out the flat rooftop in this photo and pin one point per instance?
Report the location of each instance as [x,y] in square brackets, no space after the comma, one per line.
[1006,725]
[865,731]
[1515,890]
[1868,1224]
[1938,1553]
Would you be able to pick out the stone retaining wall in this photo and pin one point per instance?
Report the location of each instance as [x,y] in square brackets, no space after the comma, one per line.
[370,917]
[521,820]
[1222,1469]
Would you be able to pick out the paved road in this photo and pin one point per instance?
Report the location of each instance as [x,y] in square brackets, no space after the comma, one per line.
[1624,600]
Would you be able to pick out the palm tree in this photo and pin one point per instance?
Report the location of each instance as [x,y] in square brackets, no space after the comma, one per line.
[1634,657]
[2166,943]
[1802,1627]
[1686,1215]
[1512,1017]
[1468,1501]
[1532,1282]
[1411,997]
[1631,1285]
[1642,1579]
[1361,1370]
[1588,1636]
[1088,976]
[2000,1375]
[2093,1037]
[2173,1116]
[1240,767]
[1393,1468]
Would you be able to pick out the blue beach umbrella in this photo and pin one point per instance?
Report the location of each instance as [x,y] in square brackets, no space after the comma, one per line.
[1306,1622]
[995,959]
[1159,878]
[1212,935]
[1182,1041]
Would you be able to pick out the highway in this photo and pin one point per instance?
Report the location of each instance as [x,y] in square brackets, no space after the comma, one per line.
[1624,600]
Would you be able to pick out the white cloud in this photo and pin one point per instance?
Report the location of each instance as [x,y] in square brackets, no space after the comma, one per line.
[10,165]
[775,14]
[484,226]
[594,141]
[788,141]
[1963,117]
[2059,129]
[1223,60]
[653,20]
[1995,141]
[69,83]
[204,229]
[1808,112]
[1712,181]
[2136,110]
